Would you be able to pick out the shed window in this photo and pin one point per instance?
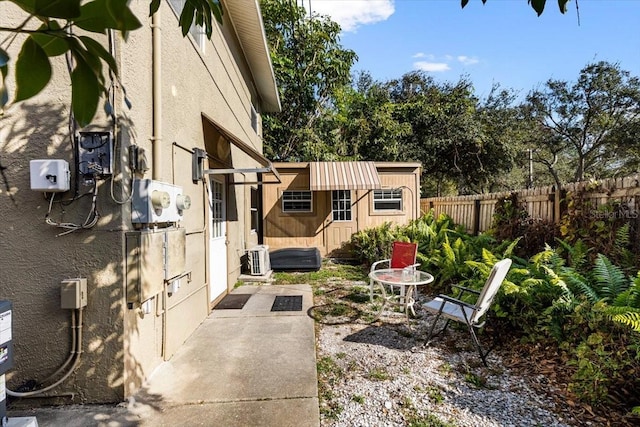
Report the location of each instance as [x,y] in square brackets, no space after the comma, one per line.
[341,202]
[387,200]
[296,201]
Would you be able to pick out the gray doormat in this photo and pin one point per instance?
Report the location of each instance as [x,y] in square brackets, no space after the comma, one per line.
[233,301]
[287,303]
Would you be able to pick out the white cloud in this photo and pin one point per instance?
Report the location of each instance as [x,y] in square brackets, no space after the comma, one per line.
[351,14]
[467,60]
[436,67]
[419,55]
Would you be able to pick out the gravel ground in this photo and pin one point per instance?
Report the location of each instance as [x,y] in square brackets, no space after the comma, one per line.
[381,374]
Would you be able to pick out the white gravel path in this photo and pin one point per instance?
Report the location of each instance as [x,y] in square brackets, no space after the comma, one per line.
[383,375]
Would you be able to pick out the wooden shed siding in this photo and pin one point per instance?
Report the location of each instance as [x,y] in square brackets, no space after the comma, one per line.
[283,230]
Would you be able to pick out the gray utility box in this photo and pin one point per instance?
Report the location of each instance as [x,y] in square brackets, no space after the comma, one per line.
[153,257]
[6,352]
[6,342]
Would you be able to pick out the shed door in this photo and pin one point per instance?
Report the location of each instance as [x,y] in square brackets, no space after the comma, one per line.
[217,239]
[341,223]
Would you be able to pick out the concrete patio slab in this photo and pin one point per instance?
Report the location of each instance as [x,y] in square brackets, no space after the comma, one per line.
[241,367]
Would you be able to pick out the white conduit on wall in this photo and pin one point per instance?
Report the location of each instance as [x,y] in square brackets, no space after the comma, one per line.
[156,138]
[76,351]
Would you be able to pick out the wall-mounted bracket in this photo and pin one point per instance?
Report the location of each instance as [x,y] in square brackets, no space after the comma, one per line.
[196,164]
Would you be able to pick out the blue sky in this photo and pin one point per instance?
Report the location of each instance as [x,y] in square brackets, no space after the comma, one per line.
[503,41]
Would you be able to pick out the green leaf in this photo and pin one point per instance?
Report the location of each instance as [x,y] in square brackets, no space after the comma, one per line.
[90,59]
[4,58]
[33,70]
[66,9]
[94,17]
[52,39]
[98,50]
[216,9]
[186,17]
[562,4]
[26,5]
[4,92]
[98,15]
[154,6]
[85,92]
[124,18]
[538,5]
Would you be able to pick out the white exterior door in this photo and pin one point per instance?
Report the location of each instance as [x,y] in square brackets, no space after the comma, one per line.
[217,239]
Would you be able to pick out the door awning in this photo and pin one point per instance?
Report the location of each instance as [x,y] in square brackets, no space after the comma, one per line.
[326,176]
[267,166]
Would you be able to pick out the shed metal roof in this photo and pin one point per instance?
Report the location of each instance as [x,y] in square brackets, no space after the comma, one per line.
[326,176]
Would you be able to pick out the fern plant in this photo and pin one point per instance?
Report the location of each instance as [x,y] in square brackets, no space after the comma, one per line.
[605,282]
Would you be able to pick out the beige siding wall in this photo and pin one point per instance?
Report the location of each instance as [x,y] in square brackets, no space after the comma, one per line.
[284,230]
[122,346]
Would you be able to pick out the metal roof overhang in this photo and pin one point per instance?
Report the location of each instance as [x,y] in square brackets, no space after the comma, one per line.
[326,176]
[245,148]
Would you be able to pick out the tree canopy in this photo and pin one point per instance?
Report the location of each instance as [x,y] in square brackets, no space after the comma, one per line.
[310,67]
[592,121]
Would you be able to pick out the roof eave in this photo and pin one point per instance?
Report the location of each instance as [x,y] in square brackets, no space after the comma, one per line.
[246,18]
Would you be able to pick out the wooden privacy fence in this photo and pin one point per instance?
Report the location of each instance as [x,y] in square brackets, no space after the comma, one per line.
[475,212]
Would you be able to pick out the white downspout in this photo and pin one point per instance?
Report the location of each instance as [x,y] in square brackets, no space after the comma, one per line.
[156,137]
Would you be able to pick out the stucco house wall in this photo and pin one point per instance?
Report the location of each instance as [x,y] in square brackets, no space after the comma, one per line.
[204,87]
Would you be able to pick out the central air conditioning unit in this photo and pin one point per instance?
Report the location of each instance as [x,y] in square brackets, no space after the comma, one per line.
[259,261]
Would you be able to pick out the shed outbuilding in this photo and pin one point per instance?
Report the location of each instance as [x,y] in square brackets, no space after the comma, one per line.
[321,204]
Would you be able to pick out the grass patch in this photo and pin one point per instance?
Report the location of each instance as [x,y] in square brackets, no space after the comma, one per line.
[445,369]
[358,297]
[414,419]
[475,380]
[435,394]
[327,274]
[378,374]
[329,373]
[358,398]
[426,421]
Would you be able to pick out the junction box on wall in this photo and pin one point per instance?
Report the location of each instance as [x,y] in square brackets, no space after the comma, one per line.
[49,175]
[73,293]
[95,154]
[157,202]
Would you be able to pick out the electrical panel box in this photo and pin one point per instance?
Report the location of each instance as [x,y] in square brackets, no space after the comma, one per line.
[95,154]
[73,293]
[153,258]
[145,261]
[176,252]
[49,175]
[157,202]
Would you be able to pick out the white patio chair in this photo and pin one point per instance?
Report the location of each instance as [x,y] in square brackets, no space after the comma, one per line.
[472,315]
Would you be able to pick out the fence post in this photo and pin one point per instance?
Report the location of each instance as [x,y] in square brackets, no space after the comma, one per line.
[555,199]
[476,217]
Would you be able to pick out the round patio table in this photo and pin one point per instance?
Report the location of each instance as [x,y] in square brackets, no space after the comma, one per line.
[407,280]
